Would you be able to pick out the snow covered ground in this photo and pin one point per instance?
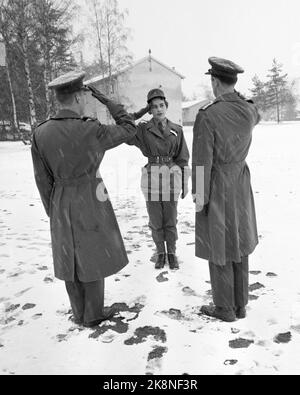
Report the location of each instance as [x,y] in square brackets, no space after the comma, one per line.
[158,330]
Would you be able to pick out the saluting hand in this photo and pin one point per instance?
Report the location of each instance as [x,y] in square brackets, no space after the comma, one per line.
[98,95]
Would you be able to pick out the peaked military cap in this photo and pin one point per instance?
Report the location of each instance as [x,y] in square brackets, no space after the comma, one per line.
[69,83]
[155,94]
[223,68]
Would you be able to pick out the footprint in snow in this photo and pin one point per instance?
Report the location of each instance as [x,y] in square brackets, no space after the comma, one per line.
[61,338]
[43,268]
[253,297]
[240,343]
[255,287]
[141,335]
[12,307]
[161,278]
[230,362]
[28,306]
[154,360]
[283,338]
[189,291]
[157,353]
[271,275]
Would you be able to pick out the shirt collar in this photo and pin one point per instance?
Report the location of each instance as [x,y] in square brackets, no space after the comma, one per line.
[228,97]
[66,114]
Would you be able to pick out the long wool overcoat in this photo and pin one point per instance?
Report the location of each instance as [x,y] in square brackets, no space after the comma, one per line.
[67,151]
[226,229]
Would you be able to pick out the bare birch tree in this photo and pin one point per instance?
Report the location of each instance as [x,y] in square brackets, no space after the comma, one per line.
[112,36]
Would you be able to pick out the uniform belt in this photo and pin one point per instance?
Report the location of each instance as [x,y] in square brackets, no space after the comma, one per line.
[159,159]
[229,166]
[73,182]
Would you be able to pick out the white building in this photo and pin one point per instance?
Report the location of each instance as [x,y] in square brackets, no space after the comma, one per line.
[190,110]
[131,85]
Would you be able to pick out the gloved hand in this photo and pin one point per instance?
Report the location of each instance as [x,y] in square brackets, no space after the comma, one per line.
[139,114]
[98,95]
[185,191]
[201,208]
[185,182]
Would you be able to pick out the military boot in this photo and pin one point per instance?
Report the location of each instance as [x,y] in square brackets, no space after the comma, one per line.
[240,312]
[160,261]
[220,313]
[173,262]
[107,314]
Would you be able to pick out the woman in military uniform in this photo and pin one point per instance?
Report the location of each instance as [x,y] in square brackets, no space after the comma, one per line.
[164,176]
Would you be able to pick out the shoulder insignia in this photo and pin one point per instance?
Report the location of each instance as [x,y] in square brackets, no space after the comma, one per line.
[206,106]
[88,119]
[175,128]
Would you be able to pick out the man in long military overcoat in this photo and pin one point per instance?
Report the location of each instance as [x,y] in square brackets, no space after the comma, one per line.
[67,151]
[226,232]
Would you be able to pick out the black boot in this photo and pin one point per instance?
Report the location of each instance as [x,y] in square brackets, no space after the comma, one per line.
[240,312]
[220,313]
[107,314]
[160,261]
[173,262]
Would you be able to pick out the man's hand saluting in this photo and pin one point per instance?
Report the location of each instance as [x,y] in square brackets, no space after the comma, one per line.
[98,95]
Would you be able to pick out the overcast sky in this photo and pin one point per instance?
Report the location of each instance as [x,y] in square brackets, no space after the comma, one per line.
[184,34]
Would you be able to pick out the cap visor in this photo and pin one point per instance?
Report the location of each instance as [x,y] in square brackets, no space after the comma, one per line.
[85,88]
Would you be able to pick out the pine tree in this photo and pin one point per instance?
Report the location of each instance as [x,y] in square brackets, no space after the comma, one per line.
[276,88]
[259,95]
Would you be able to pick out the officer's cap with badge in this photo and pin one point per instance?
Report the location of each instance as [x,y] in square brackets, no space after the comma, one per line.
[223,68]
[69,83]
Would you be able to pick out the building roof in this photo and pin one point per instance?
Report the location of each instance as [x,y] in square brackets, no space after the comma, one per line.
[124,70]
[189,104]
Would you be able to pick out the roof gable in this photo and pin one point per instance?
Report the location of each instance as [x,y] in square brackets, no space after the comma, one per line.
[124,70]
[190,104]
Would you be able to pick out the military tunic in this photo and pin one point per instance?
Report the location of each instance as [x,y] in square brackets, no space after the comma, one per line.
[67,152]
[226,230]
[166,149]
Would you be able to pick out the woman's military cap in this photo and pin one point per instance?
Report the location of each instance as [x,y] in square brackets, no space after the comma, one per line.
[223,68]
[155,94]
[69,83]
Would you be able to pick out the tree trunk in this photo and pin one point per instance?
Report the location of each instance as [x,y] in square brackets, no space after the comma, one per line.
[109,49]
[47,79]
[277,105]
[99,28]
[13,101]
[32,111]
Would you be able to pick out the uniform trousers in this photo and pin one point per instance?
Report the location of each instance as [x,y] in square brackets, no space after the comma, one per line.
[87,299]
[230,284]
[163,223]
